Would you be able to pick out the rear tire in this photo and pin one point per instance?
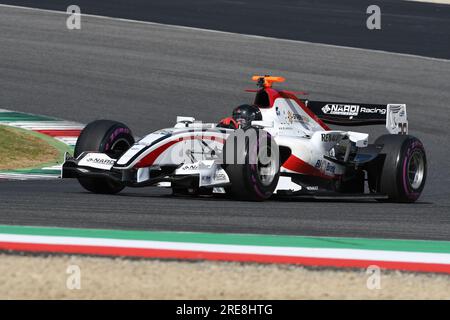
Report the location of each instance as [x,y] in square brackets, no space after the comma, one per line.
[256,178]
[402,174]
[110,137]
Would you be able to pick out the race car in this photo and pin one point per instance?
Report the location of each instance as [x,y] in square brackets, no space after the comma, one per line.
[277,146]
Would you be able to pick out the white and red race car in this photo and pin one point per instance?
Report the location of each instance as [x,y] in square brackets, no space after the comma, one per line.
[279,145]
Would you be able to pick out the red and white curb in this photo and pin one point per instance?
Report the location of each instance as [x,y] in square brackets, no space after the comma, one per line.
[62,130]
[302,253]
[66,132]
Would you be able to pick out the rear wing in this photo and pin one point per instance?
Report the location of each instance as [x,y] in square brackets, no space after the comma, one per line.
[357,114]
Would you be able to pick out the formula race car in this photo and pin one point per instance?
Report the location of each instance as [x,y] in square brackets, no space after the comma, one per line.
[278,146]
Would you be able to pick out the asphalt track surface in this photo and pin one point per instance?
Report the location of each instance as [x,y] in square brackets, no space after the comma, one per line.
[407,27]
[147,74]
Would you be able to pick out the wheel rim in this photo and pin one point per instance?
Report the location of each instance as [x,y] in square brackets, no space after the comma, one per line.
[416,170]
[119,146]
[267,171]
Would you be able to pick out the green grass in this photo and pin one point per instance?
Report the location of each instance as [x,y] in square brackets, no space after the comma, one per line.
[20,149]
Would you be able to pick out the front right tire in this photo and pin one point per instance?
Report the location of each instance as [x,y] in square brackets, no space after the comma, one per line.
[256,176]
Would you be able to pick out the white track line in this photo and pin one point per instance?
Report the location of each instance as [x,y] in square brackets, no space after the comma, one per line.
[71,141]
[25,176]
[55,167]
[231,33]
[47,123]
[432,1]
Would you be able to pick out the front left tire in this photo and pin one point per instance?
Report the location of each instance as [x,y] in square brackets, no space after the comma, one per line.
[106,136]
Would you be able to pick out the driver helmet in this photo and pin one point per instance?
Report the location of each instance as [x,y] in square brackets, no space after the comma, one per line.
[245,114]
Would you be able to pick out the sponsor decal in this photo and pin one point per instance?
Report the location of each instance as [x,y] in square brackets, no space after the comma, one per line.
[97,160]
[206,179]
[101,161]
[286,128]
[372,110]
[295,117]
[219,176]
[350,109]
[190,167]
[329,137]
[137,147]
[330,168]
[341,109]
[318,164]
[290,117]
[325,166]
[312,188]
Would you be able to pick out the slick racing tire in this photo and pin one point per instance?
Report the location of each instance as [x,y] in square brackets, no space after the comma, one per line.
[252,164]
[110,137]
[402,174]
